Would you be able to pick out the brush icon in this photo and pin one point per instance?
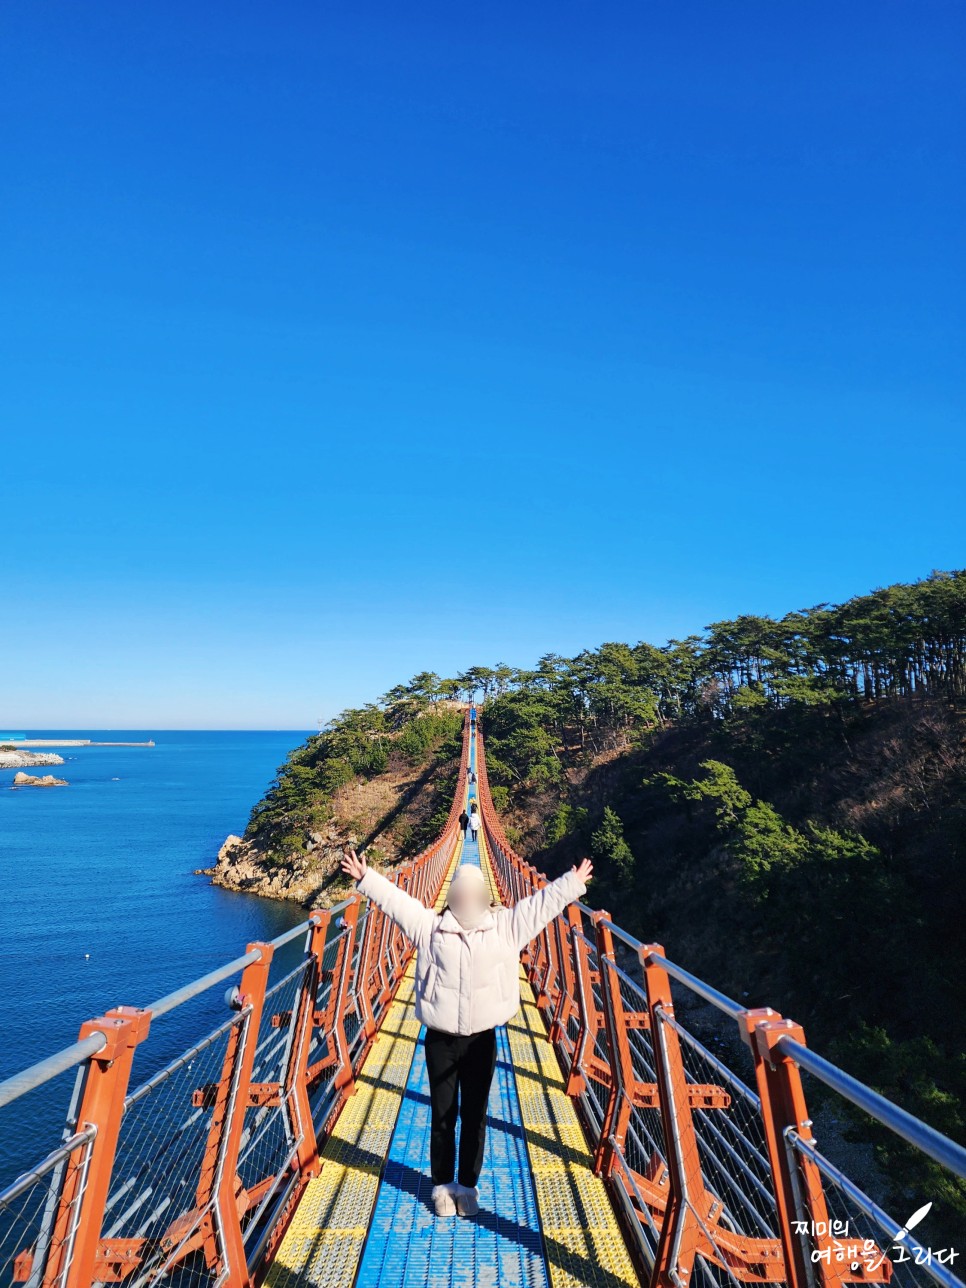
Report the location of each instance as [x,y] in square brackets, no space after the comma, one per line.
[913,1220]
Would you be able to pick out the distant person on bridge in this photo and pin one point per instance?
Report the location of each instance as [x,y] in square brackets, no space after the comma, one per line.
[464,822]
[467,983]
[474,820]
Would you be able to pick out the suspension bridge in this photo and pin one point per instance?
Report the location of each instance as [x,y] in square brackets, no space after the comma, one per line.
[289,1144]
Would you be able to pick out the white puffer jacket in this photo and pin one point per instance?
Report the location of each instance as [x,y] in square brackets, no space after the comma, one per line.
[468,981]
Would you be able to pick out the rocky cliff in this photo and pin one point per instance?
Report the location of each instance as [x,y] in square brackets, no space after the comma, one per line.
[307,877]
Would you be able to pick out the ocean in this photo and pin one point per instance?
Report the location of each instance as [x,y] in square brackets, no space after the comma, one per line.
[100,905]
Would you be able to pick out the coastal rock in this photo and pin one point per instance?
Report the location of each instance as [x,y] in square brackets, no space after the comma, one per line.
[33,780]
[28,759]
[304,877]
[231,844]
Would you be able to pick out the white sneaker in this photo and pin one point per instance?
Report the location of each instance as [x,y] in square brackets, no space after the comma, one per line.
[467,1200]
[443,1199]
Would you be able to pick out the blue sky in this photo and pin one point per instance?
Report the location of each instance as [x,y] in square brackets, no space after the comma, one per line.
[342,342]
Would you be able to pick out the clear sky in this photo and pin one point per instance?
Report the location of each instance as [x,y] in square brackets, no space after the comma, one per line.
[343,341]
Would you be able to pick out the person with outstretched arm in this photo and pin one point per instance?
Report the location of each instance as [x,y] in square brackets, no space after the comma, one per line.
[467,983]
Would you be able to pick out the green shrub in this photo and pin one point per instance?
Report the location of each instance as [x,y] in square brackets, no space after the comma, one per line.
[501,798]
[566,820]
[335,774]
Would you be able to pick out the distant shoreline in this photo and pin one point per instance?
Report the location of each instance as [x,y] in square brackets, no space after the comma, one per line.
[17,743]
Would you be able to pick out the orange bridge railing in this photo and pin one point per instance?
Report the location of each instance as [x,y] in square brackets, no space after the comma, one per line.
[706,1142]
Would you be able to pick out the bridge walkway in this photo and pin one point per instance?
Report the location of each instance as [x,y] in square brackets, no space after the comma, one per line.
[545,1220]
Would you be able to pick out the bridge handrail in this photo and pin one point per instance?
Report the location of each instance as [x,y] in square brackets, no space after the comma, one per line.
[940,1148]
[29,1079]
[706,991]
[218,976]
[171,1001]
[304,926]
[18,1084]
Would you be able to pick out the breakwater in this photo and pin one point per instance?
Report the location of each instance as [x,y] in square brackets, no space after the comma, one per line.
[17,743]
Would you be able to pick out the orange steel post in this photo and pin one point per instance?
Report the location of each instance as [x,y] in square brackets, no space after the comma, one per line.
[518,875]
[566,1003]
[382,957]
[321,919]
[554,982]
[397,940]
[539,966]
[547,970]
[498,858]
[101,1107]
[557,981]
[295,1081]
[587,1024]
[367,1017]
[219,1180]
[414,876]
[679,1239]
[344,1075]
[782,1106]
[617,1115]
[527,957]
[431,873]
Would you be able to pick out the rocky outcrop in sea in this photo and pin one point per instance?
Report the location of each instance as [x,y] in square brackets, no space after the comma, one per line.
[34,780]
[305,877]
[28,759]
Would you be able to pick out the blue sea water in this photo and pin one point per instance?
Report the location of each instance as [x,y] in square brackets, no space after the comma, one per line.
[99,901]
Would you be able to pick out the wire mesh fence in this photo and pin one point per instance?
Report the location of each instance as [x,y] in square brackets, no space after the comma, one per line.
[852,1234]
[39,1213]
[730,1140]
[323,1055]
[272,1130]
[353,1012]
[161,1204]
[718,1159]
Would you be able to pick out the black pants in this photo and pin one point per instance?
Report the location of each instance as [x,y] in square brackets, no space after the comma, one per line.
[460,1071]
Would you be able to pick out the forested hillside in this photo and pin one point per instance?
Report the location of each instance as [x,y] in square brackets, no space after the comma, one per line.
[782,802]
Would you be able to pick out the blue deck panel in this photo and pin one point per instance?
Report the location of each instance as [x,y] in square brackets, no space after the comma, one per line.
[410,1247]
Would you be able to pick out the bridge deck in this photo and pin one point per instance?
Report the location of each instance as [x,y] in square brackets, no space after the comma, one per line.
[545,1220]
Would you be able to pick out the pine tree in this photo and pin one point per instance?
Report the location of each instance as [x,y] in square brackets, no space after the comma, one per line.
[607,843]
